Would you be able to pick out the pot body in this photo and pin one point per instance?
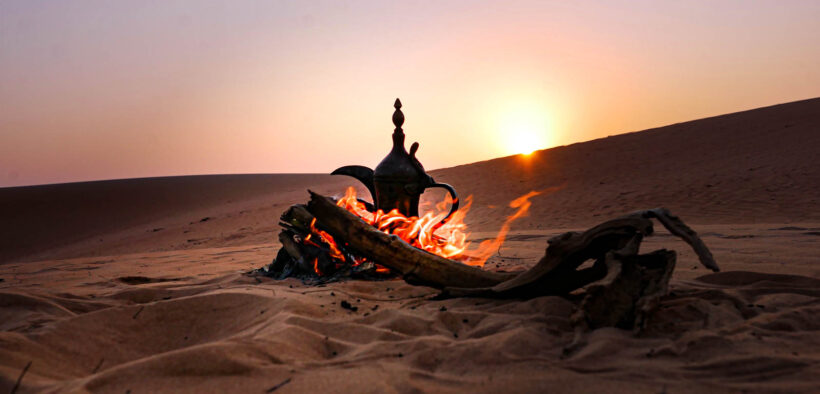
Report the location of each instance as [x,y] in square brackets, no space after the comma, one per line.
[397,181]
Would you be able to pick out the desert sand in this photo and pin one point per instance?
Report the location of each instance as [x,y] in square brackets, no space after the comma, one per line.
[142,285]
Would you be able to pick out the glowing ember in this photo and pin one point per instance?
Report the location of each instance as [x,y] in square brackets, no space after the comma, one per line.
[448,239]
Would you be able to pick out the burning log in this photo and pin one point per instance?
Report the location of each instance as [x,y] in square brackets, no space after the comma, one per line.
[416,266]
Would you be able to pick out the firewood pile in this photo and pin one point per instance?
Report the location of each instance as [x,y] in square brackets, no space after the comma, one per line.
[309,253]
[621,288]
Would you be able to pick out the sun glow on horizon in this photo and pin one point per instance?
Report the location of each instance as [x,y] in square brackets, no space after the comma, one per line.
[523,130]
[524,143]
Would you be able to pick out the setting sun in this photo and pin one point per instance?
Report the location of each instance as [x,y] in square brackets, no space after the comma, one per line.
[523,130]
[524,142]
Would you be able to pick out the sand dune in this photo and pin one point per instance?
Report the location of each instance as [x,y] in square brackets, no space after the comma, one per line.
[140,285]
[758,166]
[96,218]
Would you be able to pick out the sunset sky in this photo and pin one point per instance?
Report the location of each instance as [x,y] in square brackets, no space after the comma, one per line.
[118,89]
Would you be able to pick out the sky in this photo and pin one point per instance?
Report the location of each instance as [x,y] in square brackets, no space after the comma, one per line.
[94,90]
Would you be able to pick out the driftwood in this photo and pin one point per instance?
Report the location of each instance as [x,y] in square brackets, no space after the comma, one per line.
[621,287]
[627,295]
[677,227]
[630,291]
[556,273]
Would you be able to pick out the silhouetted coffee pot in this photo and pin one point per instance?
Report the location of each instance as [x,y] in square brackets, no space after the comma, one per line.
[400,179]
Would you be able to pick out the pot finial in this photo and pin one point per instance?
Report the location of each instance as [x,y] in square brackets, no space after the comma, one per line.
[398,117]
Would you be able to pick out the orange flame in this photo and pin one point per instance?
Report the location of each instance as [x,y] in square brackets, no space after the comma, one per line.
[486,248]
[326,238]
[448,240]
[316,266]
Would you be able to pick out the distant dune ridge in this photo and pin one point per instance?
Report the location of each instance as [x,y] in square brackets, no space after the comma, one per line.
[755,166]
[141,285]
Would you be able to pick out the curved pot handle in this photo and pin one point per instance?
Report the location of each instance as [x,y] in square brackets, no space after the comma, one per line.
[453,194]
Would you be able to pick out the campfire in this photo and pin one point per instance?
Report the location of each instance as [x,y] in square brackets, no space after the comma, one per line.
[347,237]
[311,251]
